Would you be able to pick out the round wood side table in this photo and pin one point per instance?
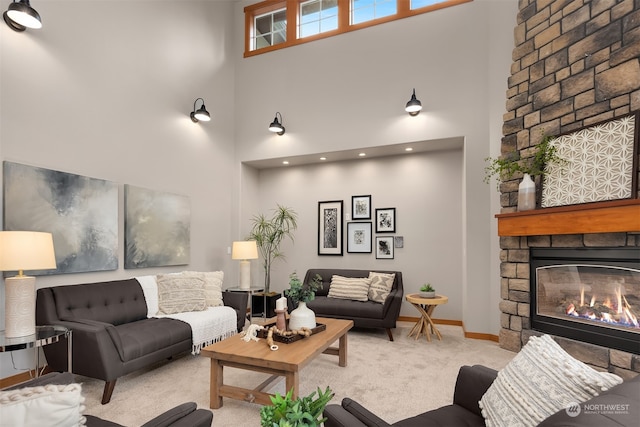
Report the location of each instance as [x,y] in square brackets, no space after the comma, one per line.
[425,307]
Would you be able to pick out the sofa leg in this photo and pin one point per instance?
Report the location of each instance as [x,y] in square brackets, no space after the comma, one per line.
[108,391]
[390,334]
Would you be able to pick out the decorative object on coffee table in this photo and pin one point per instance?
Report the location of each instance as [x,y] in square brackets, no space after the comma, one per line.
[301,294]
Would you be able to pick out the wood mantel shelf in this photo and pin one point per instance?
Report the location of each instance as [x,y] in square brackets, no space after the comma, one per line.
[599,217]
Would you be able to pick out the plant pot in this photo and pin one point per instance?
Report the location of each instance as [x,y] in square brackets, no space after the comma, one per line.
[431,294]
[302,317]
[258,303]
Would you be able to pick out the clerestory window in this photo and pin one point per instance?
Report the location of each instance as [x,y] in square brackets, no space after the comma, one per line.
[317,16]
[276,24]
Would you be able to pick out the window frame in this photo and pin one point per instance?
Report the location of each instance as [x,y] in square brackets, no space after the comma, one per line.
[344,25]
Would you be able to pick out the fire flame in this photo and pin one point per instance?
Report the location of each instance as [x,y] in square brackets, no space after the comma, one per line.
[621,308]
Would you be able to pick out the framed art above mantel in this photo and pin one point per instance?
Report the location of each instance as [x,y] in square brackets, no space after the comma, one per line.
[600,163]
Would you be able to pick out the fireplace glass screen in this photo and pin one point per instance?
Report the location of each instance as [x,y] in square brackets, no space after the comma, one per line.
[587,294]
[590,293]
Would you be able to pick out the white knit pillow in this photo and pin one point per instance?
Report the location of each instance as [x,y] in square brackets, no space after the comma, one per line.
[49,405]
[212,286]
[353,288]
[381,284]
[539,381]
[179,293]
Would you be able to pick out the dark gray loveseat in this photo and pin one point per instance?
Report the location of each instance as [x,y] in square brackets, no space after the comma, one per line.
[112,335]
[472,383]
[367,314]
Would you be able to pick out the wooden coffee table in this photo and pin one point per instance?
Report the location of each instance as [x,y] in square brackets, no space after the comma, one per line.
[287,361]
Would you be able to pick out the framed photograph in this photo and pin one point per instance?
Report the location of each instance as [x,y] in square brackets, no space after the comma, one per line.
[330,228]
[384,247]
[386,220]
[599,164]
[359,237]
[399,241]
[361,207]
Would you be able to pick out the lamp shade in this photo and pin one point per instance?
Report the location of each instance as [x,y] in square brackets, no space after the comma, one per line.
[244,250]
[26,250]
[414,105]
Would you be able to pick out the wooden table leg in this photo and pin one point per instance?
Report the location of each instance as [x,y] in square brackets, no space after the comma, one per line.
[292,382]
[216,381]
[434,329]
[342,350]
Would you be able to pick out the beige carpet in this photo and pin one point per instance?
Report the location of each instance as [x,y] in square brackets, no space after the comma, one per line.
[393,379]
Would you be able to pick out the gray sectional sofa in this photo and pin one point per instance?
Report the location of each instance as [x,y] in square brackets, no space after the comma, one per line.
[365,314]
[111,333]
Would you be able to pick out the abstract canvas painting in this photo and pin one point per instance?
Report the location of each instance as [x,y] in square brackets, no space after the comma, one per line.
[80,212]
[157,228]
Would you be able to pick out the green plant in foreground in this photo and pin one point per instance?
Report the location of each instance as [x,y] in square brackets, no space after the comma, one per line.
[427,288]
[298,292]
[301,412]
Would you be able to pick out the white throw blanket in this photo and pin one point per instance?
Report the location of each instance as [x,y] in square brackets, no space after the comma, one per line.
[208,326]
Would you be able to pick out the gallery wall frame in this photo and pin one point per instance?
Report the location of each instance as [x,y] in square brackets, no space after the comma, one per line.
[80,212]
[330,227]
[386,220]
[157,228]
[361,207]
[384,247]
[359,237]
[601,163]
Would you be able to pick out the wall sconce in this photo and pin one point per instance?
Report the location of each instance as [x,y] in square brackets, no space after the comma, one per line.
[20,16]
[201,114]
[414,106]
[276,126]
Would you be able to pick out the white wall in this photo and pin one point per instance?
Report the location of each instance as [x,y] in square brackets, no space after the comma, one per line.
[359,83]
[424,188]
[104,90]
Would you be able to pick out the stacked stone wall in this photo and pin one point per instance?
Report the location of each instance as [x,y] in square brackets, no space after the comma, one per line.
[575,63]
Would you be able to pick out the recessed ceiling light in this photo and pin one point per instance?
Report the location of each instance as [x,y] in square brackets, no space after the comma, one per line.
[362,154]
[286,162]
[323,158]
[408,149]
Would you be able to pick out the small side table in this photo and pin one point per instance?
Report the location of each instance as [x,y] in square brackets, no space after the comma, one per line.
[252,290]
[426,306]
[44,335]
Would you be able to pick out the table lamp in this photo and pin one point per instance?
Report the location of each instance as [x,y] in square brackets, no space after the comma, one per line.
[244,251]
[19,251]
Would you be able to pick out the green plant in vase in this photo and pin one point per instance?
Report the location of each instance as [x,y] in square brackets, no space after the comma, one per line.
[298,292]
[427,291]
[512,165]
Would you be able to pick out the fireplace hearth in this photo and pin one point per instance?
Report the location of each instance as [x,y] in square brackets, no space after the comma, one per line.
[587,294]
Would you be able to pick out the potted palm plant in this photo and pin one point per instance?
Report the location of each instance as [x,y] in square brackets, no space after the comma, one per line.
[269,233]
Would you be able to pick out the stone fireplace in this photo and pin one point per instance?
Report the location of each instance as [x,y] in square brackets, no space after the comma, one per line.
[574,64]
